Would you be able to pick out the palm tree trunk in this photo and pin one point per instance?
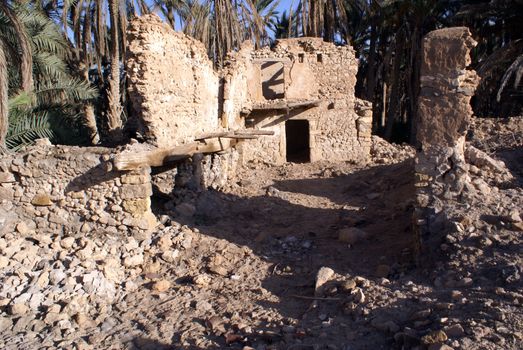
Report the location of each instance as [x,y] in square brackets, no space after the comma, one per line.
[371,69]
[89,115]
[414,83]
[143,7]
[395,94]
[170,16]
[26,59]
[114,120]
[329,22]
[4,122]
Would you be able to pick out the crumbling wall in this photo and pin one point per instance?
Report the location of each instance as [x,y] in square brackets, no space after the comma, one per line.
[312,70]
[62,190]
[173,87]
[238,75]
[444,114]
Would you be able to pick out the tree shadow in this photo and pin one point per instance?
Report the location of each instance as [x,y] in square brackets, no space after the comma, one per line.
[294,226]
[103,172]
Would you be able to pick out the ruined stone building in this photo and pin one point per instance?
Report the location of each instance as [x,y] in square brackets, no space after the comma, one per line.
[301,91]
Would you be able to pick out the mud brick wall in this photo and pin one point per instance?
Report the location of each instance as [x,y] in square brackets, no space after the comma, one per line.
[311,70]
[66,190]
[172,84]
[444,114]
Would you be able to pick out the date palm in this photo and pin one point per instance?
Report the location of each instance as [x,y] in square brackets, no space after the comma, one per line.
[3,98]
[24,60]
[42,104]
[170,8]
[114,114]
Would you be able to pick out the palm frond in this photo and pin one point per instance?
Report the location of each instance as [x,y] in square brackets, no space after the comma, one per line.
[25,129]
[68,89]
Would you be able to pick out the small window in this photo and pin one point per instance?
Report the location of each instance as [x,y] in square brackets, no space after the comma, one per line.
[249,122]
[301,57]
[319,58]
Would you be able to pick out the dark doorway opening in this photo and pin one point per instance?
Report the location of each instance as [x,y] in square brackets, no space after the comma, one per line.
[297,135]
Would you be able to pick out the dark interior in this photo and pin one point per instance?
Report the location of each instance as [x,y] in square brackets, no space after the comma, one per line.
[297,135]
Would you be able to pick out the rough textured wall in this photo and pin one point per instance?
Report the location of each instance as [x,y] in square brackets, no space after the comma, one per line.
[71,189]
[172,84]
[307,69]
[237,81]
[444,114]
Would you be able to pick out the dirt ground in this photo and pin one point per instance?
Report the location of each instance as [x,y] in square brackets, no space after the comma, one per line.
[249,265]
[285,222]
[248,279]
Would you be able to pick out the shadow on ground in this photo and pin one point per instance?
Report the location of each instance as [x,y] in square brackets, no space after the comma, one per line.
[294,226]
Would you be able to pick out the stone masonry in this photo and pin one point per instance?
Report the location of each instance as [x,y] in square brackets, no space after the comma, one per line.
[177,95]
[444,115]
[71,189]
[262,86]
[173,86]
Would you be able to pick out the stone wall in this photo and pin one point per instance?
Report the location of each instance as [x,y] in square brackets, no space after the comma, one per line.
[294,71]
[176,94]
[172,84]
[63,190]
[444,114]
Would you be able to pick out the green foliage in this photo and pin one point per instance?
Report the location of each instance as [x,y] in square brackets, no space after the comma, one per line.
[25,127]
[387,34]
[53,106]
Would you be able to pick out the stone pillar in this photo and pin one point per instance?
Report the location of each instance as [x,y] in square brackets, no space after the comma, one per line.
[135,193]
[444,114]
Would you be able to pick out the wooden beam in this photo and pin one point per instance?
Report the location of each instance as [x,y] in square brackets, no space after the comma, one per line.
[130,159]
[206,143]
[256,132]
[240,134]
[267,106]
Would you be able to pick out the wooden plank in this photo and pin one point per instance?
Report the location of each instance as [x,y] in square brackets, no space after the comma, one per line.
[285,105]
[130,160]
[256,132]
[240,134]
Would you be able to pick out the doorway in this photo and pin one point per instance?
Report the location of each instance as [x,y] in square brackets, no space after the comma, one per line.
[298,141]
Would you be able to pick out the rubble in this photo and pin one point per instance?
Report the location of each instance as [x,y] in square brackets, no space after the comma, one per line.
[301,91]
[312,255]
[444,113]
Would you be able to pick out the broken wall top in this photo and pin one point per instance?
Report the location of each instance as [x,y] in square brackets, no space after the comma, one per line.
[446,87]
[172,84]
[300,69]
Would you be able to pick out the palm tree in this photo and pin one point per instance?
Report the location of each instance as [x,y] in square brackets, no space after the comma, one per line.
[499,54]
[281,26]
[3,98]
[259,15]
[114,114]
[169,9]
[25,62]
[323,18]
[54,96]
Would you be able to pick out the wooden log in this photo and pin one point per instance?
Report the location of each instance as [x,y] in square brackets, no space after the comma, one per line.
[255,132]
[239,134]
[285,105]
[212,135]
[313,103]
[130,160]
